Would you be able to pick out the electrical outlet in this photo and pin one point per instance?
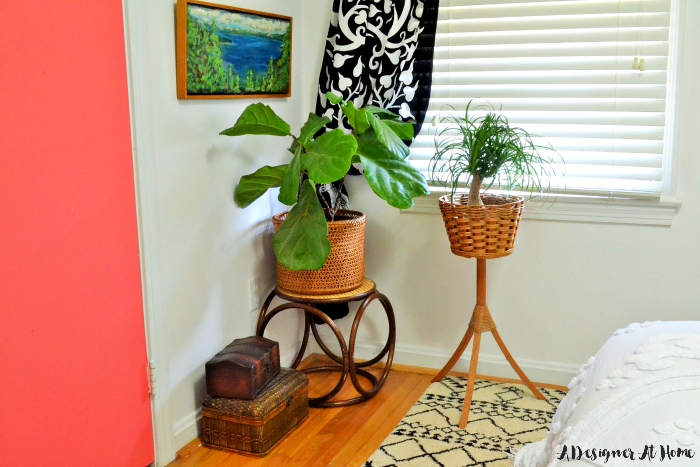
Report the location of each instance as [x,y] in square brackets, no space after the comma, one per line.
[254,294]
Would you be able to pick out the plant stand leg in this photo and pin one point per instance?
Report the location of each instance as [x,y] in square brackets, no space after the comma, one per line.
[470,381]
[456,356]
[481,322]
[515,366]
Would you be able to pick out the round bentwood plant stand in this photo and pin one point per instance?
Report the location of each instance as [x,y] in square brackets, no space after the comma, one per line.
[345,362]
[483,232]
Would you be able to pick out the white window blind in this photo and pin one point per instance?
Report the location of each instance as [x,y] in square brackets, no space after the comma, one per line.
[562,70]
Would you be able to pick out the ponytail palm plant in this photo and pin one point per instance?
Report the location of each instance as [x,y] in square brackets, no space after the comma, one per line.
[376,141]
[483,151]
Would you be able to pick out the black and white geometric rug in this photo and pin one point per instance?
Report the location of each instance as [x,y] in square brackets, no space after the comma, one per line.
[504,417]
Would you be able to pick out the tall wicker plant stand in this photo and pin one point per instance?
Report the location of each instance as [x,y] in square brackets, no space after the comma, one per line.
[481,232]
[345,363]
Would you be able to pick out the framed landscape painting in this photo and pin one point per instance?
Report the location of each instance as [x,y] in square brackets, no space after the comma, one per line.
[225,52]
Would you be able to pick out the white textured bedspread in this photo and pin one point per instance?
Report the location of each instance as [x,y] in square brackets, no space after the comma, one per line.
[636,402]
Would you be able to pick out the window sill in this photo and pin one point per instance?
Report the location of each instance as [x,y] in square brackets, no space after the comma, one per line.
[580,209]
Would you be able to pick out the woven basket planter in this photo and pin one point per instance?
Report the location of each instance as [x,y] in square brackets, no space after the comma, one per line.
[486,231]
[343,271]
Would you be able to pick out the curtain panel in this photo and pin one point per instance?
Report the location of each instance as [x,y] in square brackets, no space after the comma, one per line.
[378,52]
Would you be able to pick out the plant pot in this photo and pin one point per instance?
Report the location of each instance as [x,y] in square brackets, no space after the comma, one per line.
[343,271]
[486,231]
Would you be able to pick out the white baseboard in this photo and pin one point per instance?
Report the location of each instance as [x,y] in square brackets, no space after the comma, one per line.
[187,428]
[489,364]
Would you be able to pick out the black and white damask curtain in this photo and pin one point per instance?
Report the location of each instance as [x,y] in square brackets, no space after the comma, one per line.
[378,52]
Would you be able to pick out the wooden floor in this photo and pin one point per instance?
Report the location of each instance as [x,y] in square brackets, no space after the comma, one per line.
[345,436]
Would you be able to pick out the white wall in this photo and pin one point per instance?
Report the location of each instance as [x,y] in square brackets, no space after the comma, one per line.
[556,299]
[202,249]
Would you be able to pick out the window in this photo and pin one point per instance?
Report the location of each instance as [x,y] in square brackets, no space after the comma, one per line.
[563,70]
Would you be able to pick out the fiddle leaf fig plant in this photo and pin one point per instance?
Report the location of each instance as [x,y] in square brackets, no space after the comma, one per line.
[376,140]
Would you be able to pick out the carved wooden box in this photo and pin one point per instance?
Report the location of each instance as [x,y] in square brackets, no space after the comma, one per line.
[243,368]
[254,427]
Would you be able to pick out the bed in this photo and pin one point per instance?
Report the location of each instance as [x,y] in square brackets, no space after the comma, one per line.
[636,402]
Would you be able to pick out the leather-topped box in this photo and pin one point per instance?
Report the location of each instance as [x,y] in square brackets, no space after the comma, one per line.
[243,369]
[254,427]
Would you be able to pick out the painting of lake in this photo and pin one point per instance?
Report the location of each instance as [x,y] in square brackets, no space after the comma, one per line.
[233,52]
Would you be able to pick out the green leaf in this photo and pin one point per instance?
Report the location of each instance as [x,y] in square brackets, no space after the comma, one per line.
[358,118]
[403,130]
[333,99]
[290,183]
[301,243]
[258,119]
[387,137]
[253,186]
[327,159]
[312,125]
[390,177]
[381,113]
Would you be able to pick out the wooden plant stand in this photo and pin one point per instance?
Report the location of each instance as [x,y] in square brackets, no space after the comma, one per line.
[345,363]
[480,323]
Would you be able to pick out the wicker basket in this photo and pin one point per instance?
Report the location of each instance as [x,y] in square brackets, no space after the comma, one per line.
[343,271]
[486,231]
[254,427]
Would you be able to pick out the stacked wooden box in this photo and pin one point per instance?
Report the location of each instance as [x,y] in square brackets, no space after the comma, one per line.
[252,403]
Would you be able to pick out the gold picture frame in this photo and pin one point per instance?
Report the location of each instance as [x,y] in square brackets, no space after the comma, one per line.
[225,52]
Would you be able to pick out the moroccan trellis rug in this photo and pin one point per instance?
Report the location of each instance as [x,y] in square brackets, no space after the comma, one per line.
[504,417]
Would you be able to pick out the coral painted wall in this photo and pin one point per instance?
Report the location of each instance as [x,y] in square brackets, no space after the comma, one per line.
[72,344]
